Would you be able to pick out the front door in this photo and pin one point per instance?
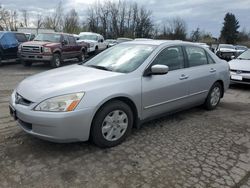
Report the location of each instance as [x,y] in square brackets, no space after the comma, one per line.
[164,93]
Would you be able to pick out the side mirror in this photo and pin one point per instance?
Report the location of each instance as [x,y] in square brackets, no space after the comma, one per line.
[157,70]
[101,40]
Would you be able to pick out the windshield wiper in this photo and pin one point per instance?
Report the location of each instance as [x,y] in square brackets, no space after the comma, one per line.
[99,67]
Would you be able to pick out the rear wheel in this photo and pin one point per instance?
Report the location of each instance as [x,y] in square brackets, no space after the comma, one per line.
[56,61]
[112,124]
[82,56]
[214,96]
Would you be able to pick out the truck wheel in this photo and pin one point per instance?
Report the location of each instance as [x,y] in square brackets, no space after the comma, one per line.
[56,61]
[96,50]
[82,56]
[26,63]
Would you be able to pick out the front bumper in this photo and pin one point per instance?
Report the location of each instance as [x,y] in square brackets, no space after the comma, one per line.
[58,127]
[240,78]
[91,49]
[35,57]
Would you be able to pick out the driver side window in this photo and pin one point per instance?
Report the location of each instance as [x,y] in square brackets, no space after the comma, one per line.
[172,57]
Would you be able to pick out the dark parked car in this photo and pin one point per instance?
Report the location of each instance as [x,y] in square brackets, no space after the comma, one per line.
[226,52]
[240,49]
[9,42]
[53,48]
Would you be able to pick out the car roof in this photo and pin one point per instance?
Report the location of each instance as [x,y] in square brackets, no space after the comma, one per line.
[89,33]
[160,42]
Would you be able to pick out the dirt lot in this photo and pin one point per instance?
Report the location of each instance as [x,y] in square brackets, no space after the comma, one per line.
[194,148]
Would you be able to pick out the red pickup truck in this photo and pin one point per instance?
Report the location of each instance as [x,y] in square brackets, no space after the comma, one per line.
[53,48]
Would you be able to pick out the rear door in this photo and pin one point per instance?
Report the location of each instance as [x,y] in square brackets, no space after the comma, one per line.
[201,71]
[75,49]
[66,49]
[163,93]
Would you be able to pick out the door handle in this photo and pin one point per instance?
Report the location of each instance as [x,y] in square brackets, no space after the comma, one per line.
[183,77]
[212,70]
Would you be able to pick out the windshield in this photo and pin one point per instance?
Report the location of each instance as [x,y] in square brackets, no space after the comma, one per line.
[241,48]
[122,58]
[89,37]
[50,37]
[227,46]
[245,55]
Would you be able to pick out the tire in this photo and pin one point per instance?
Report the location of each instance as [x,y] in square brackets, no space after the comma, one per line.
[82,56]
[56,61]
[214,96]
[96,50]
[115,117]
[26,63]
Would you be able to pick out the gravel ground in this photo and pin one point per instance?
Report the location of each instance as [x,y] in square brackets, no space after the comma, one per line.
[194,148]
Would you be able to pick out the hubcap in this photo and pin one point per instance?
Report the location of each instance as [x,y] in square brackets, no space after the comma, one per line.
[57,60]
[215,96]
[83,56]
[114,125]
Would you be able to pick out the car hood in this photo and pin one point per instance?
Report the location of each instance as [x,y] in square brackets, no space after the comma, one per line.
[62,81]
[238,64]
[40,43]
[227,50]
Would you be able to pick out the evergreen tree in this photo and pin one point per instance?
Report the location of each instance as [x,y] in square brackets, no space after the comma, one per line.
[229,32]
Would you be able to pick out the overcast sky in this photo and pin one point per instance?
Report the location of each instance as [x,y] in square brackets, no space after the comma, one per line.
[206,14]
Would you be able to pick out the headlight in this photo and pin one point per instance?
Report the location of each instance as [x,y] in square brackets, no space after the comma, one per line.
[64,103]
[19,48]
[46,50]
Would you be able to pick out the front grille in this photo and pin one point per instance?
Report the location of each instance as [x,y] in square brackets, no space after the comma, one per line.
[32,49]
[20,100]
[239,71]
[227,54]
[246,80]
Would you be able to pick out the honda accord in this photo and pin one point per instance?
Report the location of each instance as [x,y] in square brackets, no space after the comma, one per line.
[121,87]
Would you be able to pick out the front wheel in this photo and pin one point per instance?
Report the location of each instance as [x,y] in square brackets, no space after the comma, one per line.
[81,57]
[56,61]
[214,96]
[112,124]
[26,63]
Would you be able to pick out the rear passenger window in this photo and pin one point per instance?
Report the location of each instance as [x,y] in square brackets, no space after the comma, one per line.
[71,40]
[196,56]
[172,57]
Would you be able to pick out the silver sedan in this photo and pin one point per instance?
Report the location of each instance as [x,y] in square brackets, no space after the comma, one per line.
[118,89]
[240,69]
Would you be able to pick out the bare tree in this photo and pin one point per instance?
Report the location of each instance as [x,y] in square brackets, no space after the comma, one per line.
[25,17]
[71,22]
[117,19]
[175,28]
[8,19]
[55,21]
